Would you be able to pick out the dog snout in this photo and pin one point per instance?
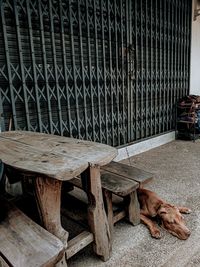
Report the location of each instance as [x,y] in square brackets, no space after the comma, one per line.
[186,234]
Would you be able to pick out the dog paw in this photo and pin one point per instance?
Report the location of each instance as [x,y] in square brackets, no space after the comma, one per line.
[188,211]
[185,210]
[156,234]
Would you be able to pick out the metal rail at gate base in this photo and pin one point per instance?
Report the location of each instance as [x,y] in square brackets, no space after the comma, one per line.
[105,70]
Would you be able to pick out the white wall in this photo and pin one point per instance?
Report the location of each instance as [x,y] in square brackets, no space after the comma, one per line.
[195,56]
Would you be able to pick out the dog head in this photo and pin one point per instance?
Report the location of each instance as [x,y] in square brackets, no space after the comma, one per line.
[173,221]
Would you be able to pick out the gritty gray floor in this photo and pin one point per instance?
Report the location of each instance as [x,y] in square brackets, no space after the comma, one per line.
[176,166]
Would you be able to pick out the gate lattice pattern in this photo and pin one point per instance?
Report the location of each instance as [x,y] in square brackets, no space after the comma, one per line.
[103,70]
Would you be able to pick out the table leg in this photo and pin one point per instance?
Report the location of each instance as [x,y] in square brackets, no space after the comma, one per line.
[97,218]
[48,195]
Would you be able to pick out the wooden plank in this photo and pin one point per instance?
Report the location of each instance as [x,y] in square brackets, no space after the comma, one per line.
[53,156]
[48,192]
[96,214]
[117,184]
[118,215]
[129,172]
[29,160]
[107,195]
[26,244]
[63,145]
[78,243]
[133,208]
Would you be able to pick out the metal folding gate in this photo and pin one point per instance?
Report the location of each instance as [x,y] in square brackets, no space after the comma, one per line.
[103,70]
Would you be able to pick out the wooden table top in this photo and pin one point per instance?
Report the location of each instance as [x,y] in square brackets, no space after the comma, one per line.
[54,156]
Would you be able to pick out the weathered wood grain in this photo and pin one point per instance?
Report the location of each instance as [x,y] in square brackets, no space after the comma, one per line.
[129,172]
[118,216]
[117,184]
[114,181]
[54,156]
[133,208]
[48,193]
[107,195]
[48,156]
[29,160]
[78,243]
[96,213]
[26,244]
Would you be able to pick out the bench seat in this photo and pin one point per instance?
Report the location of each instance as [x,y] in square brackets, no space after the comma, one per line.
[140,176]
[121,180]
[23,243]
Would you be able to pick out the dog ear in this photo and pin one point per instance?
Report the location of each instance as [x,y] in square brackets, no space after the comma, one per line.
[155,210]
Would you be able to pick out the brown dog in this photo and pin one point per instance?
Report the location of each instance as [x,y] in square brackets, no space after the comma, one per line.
[169,215]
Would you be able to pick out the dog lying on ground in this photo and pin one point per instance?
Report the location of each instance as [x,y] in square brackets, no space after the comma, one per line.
[151,206]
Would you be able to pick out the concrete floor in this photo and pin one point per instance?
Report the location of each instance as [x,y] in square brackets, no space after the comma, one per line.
[176,166]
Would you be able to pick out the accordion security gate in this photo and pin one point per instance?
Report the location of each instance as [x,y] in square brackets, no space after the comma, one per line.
[103,70]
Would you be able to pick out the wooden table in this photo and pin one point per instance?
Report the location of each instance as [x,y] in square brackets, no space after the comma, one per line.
[52,159]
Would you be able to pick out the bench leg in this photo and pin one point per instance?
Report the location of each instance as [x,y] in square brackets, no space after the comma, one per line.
[107,195]
[133,208]
[48,195]
[97,218]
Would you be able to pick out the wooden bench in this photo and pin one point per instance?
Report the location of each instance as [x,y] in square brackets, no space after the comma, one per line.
[121,180]
[24,243]
[130,172]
